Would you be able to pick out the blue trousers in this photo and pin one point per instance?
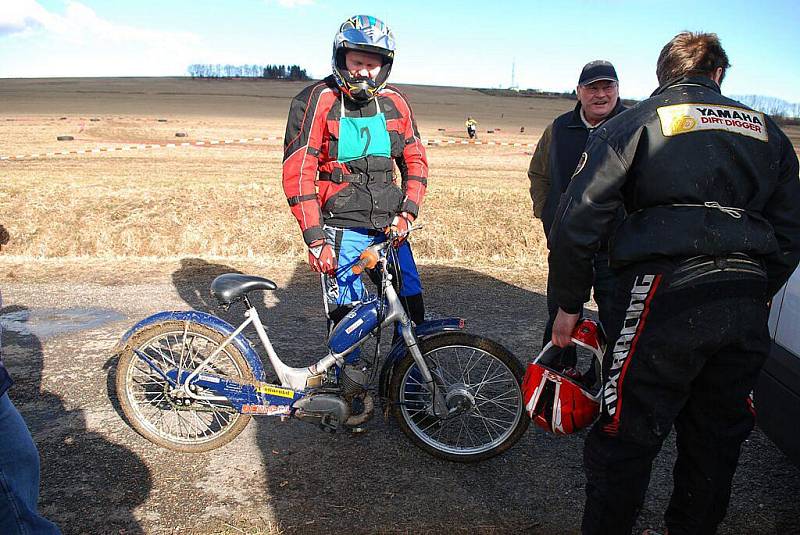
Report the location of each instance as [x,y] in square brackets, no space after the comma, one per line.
[19,476]
[346,287]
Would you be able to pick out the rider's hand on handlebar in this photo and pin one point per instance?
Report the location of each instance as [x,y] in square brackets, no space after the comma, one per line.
[321,257]
[401,224]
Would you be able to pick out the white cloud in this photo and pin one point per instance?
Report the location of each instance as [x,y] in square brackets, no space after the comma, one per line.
[23,16]
[79,42]
[80,23]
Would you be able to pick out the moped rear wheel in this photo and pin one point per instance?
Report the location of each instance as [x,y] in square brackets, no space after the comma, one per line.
[481,382]
[165,416]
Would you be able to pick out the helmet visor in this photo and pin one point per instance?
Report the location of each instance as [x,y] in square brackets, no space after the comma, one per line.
[383,44]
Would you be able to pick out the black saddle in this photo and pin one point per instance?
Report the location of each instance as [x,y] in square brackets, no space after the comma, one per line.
[231,287]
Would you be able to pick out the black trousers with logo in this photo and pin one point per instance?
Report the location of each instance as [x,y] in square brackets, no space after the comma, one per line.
[682,354]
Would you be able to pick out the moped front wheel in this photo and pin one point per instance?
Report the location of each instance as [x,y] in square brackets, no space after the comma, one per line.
[481,383]
[160,411]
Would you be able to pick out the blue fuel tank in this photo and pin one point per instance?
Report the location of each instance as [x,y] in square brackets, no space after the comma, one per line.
[355,326]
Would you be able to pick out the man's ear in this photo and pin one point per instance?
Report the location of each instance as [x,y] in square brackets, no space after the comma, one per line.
[717,75]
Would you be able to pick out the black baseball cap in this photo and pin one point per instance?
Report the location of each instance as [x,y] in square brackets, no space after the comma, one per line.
[597,70]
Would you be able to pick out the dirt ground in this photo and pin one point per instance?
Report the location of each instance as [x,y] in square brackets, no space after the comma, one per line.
[100,241]
[99,476]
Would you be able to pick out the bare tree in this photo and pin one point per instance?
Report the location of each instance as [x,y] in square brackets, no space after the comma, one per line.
[274,72]
[773,106]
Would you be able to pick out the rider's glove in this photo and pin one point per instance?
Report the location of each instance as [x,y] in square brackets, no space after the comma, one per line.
[321,257]
[401,224]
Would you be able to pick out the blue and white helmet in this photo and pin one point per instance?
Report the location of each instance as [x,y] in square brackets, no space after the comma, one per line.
[367,34]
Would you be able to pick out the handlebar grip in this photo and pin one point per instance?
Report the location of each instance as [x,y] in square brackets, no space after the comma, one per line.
[368,259]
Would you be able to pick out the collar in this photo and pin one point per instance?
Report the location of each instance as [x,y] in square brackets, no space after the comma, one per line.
[589,126]
[703,81]
[578,121]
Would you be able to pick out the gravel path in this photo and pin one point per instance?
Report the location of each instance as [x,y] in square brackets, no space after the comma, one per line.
[99,476]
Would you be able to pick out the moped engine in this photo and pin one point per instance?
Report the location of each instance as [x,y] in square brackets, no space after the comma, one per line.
[353,382]
[329,411]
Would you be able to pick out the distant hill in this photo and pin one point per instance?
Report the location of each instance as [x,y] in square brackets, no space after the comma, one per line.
[536,93]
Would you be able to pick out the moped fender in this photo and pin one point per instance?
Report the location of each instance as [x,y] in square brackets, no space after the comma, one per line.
[424,330]
[207,320]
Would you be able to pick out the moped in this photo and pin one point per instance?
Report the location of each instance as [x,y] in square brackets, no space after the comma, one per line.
[190,382]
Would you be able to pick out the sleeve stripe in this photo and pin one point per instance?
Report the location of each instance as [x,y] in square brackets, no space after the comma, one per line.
[303,163]
[310,97]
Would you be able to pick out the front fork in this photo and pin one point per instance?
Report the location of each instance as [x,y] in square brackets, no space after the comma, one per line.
[439,407]
[398,314]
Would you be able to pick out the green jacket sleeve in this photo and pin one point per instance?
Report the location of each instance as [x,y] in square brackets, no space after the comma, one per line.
[539,172]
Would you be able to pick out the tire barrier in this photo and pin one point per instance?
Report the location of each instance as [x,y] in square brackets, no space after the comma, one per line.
[244,141]
[140,146]
[433,142]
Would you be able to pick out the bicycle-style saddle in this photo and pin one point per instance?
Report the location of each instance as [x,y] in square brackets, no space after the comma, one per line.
[230,287]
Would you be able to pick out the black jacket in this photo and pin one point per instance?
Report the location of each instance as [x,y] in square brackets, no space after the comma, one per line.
[555,159]
[698,174]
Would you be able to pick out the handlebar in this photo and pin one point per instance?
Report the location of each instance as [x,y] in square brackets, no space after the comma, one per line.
[369,257]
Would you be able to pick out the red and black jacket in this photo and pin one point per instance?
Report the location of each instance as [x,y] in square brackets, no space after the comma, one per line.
[363,192]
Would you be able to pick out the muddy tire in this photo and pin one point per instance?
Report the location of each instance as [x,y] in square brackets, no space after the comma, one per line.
[149,402]
[475,373]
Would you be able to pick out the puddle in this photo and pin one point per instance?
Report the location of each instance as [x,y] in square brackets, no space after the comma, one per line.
[48,322]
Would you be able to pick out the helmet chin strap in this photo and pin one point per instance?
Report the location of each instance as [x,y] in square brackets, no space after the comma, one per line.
[367,87]
[343,112]
[362,93]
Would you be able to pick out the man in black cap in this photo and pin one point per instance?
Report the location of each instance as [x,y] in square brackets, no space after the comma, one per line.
[711,232]
[554,162]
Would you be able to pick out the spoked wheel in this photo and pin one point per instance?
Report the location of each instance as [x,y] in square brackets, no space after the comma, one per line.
[482,386]
[164,414]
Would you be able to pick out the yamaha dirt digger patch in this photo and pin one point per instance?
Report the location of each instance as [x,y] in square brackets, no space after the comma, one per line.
[684,118]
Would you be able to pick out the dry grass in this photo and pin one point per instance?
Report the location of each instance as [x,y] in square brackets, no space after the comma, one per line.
[227,201]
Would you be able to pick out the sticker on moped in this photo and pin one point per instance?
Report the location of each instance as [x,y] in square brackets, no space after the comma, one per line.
[269,410]
[208,378]
[273,390]
[354,326]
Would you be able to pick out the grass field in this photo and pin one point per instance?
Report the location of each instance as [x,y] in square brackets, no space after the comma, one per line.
[133,232]
[226,200]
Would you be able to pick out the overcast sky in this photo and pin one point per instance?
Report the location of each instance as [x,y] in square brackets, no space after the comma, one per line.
[442,42]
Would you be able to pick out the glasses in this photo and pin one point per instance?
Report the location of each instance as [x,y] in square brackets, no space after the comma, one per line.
[596,89]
